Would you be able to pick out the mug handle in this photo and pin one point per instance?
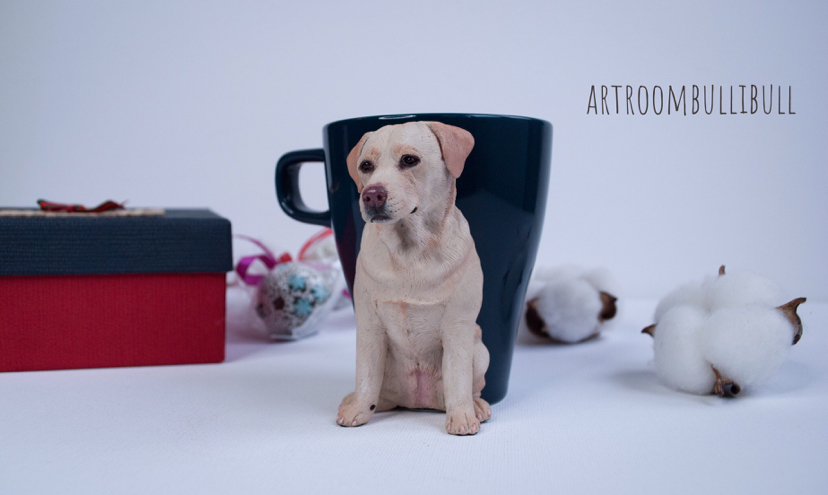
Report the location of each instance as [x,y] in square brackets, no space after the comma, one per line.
[287,187]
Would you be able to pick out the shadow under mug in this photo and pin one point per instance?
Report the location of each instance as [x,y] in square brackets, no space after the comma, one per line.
[501,192]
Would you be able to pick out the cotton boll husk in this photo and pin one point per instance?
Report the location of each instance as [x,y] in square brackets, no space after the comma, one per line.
[747,344]
[679,358]
[742,288]
[532,288]
[689,294]
[570,309]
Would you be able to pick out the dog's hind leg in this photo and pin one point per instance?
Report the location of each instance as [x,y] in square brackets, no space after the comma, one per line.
[385,404]
[481,363]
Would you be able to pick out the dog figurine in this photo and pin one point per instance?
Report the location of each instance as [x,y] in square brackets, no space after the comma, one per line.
[418,287]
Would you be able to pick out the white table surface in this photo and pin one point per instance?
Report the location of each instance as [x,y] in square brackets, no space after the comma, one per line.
[590,418]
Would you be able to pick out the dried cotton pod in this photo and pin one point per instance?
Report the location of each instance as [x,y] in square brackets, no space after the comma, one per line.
[569,304]
[724,334]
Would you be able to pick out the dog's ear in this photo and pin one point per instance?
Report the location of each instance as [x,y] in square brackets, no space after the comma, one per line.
[455,145]
[353,156]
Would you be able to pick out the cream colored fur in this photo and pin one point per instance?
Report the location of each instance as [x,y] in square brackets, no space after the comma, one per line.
[418,287]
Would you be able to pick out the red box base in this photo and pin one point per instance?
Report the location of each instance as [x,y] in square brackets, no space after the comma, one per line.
[100,321]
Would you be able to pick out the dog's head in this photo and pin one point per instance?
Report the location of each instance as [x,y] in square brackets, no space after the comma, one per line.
[408,168]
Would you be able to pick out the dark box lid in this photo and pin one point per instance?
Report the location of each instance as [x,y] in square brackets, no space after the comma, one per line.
[179,241]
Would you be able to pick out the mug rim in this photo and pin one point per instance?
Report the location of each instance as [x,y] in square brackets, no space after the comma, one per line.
[425,115]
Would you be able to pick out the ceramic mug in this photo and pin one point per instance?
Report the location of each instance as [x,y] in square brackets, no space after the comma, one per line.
[501,192]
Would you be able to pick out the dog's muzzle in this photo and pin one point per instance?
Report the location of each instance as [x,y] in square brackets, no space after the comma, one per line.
[373,198]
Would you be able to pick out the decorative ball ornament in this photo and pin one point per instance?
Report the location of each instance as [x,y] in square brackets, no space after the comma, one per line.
[294,296]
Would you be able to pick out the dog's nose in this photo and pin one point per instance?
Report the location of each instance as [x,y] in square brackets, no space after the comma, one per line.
[374,196]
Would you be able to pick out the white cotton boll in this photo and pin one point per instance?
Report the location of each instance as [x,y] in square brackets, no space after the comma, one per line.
[747,344]
[603,281]
[569,309]
[740,288]
[600,278]
[679,358]
[690,294]
[723,291]
[568,303]
[743,333]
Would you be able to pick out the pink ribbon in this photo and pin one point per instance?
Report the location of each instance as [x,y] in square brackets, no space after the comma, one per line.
[268,258]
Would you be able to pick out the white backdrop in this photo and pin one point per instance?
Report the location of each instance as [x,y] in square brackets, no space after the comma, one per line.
[184,104]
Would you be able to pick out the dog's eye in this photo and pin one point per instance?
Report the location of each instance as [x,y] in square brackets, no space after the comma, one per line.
[366,166]
[408,161]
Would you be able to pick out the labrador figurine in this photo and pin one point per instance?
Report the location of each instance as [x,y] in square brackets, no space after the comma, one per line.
[418,286]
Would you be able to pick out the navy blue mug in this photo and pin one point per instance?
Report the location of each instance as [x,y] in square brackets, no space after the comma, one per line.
[501,192]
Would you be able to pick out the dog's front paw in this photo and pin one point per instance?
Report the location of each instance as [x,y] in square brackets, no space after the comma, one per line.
[353,412]
[462,422]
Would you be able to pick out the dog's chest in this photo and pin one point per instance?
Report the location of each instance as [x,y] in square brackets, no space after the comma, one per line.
[411,321]
[421,283]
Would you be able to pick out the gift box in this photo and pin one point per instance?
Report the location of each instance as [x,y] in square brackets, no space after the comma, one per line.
[121,289]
